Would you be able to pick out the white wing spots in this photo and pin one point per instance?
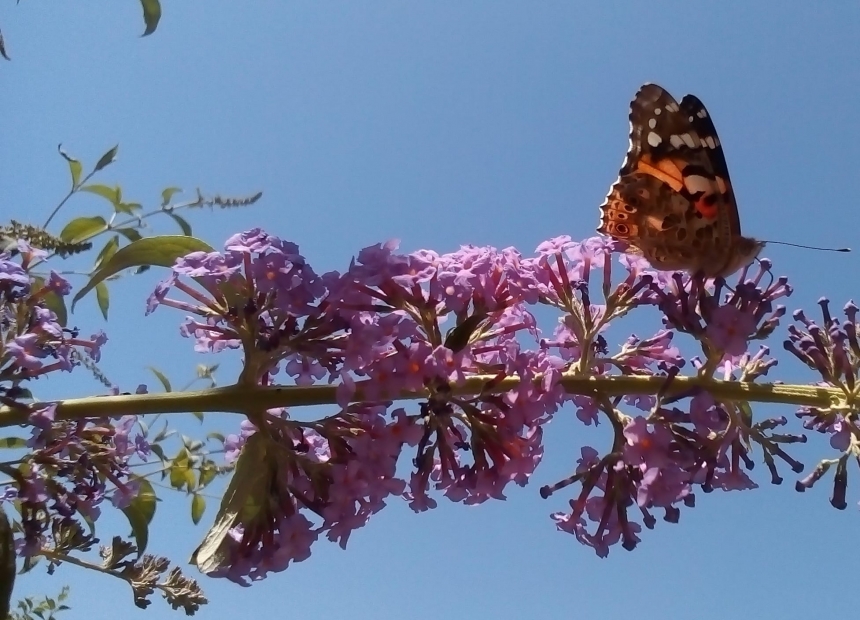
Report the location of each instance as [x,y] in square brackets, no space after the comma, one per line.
[652,123]
[721,185]
[676,141]
[658,111]
[710,142]
[688,140]
[654,139]
[672,106]
[703,113]
[696,183]
[690,118]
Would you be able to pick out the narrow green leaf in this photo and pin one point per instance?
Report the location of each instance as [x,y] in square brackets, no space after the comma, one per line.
[198,507]
[75,166]
[127,208]
[208,472]
[140,512]
[129,233]
[162,378]
[183,224]
[13,442]
[167,194]
[83,228]
[52,301]
[107,159]
[111,194]
[108,250]
[216,436]
[103,298]
[151,15]
[158,451]
[198,415]
[161,251]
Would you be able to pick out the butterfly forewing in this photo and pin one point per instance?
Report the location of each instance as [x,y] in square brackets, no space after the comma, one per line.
[673,202]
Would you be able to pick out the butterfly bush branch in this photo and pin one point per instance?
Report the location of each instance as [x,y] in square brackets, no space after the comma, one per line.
[453,338]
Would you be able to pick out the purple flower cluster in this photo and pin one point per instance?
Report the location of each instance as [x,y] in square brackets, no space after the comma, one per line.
[450,330]
[831,349]
[70,467]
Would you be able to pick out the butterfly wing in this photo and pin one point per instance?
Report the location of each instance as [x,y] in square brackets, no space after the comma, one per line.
[673,201]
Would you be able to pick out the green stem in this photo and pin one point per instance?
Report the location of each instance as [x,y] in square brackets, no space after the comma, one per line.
[241,399]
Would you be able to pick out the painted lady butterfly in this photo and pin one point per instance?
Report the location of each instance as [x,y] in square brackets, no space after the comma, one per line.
[673,201]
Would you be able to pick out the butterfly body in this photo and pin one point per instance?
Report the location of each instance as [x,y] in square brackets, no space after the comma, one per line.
[673,201]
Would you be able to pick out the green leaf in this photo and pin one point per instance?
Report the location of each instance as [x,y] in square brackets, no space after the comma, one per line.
[83,228]
[74,166]
[158,451]
[161,251]
[13,442]
[108,250]
[107,159]
[128,208]
[151,15]
[7,563]
[208,472]
[162,378]
[241,502]
[103,298]
[183,224]
[111,194]
[179,470]
[167,194]
[198,507]
[52,301]
[129,233]
[140,512]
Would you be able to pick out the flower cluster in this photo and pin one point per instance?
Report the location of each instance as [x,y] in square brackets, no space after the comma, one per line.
[831,349]
[450,329]
[70,466]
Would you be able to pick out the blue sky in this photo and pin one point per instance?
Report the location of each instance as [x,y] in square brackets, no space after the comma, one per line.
[444,123]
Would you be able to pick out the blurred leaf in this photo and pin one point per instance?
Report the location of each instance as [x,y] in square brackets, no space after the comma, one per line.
[74,166]
[129,233]
[190,479]
[158,451]
[52,301]
[151,15]
[161,251]
[82,228]
[127,208]
[13,442]
[198,415]
[183,224]
[107,159]
[208,472]
[108,250]
[7,563]
[167,194]
[111,194]
[179,469]
[6,56]
[140,512]
[103,298]
[162,378]
[216,436]
[198,507]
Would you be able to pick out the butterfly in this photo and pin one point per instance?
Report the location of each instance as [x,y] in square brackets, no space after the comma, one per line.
[673,202]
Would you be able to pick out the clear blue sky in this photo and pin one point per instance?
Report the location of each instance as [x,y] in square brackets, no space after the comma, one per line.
[442,123]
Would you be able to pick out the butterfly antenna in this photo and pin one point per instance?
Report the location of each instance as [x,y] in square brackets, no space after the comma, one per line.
[808,247]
